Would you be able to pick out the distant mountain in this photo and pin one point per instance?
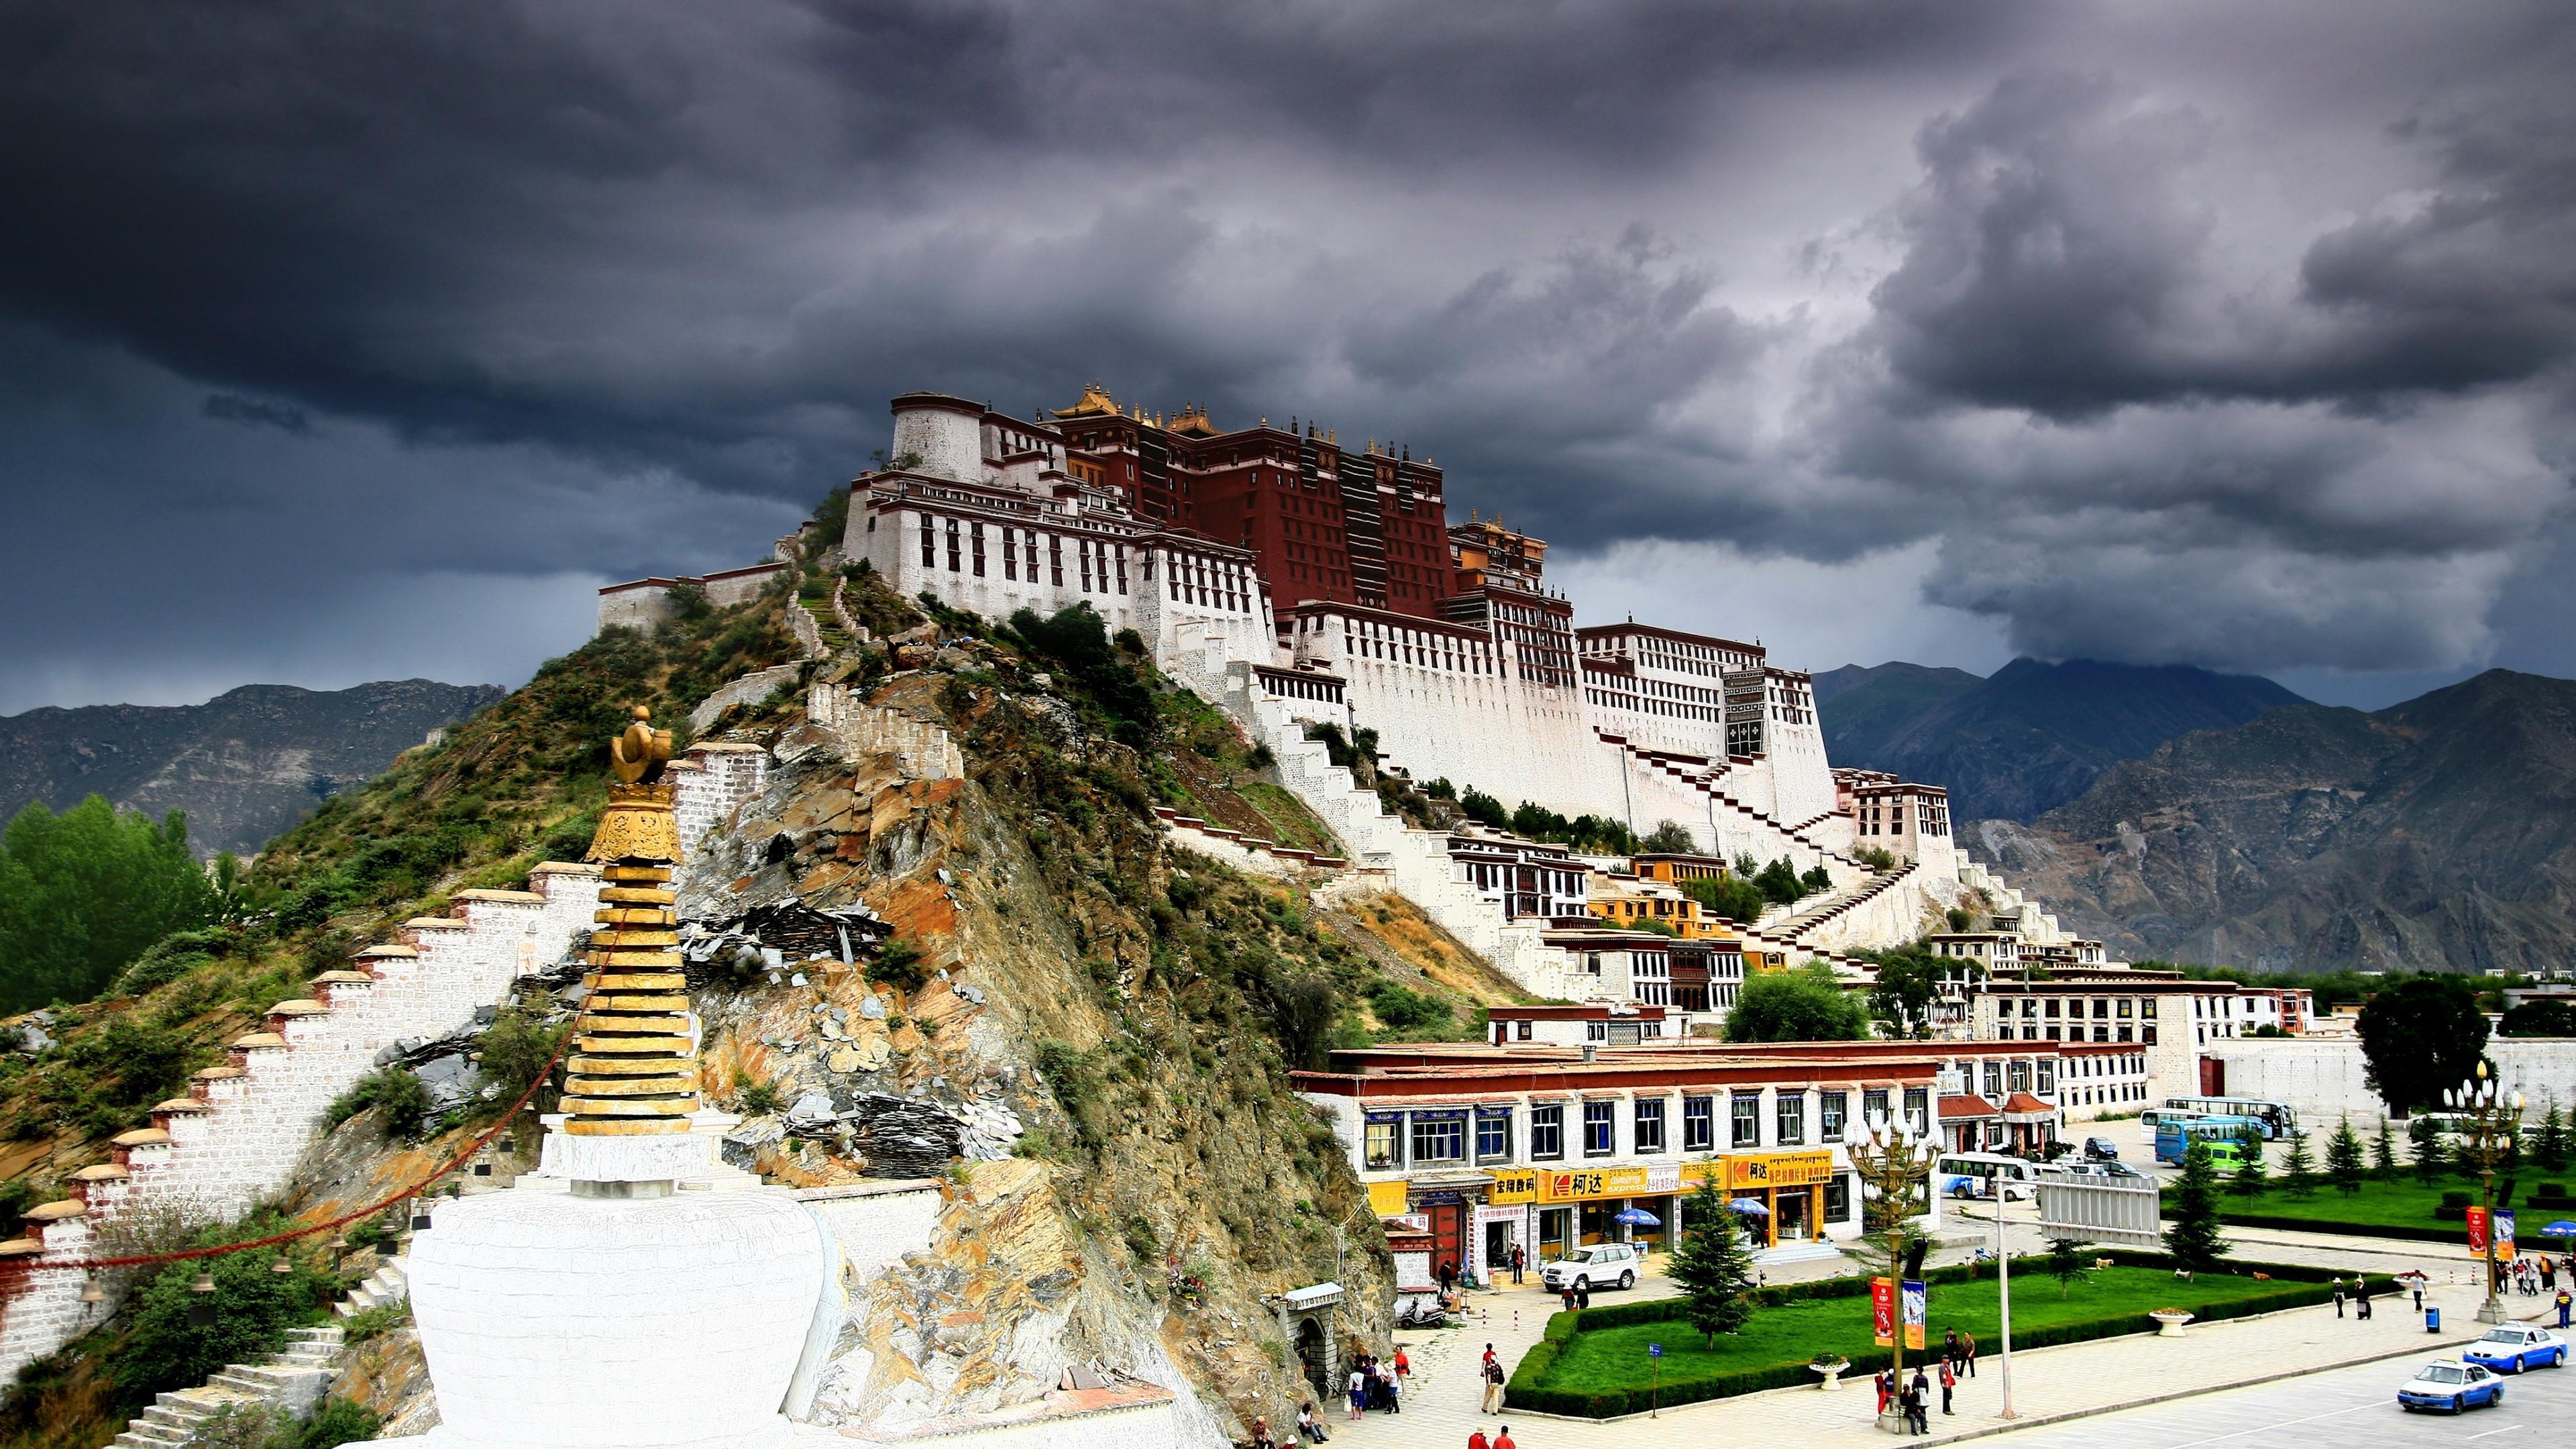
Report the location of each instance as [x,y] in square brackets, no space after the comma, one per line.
[244,765]
[2032,736]
[2435,834]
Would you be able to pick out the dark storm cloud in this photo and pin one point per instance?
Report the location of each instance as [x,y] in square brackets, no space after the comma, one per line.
[515,294]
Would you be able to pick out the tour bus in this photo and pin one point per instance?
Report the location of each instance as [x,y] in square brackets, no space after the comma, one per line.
[2223,1136]
[2155,1117]
[2277,1118]
[1985,1174]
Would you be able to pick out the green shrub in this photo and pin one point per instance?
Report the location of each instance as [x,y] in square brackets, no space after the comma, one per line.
[172,957]
[405,1100]
[898,964]
[254,1306]
[335,1421]
[374,1322]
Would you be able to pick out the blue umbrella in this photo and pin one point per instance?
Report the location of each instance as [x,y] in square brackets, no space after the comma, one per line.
[1749,1206]
[2560,1229]
[1637,1217]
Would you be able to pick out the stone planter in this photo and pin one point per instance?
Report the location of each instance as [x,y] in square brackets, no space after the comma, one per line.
[1829,1376]
[2169,1322]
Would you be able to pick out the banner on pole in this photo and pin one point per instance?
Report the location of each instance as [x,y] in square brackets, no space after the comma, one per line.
[2477,1230]
[2504,1235]
[1882,1311]
[1917,1299]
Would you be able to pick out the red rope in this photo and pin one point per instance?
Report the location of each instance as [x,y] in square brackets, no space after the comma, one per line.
[25,1265]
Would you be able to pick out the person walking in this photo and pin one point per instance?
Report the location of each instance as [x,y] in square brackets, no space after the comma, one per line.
[1394,1390]
[1567,1293]
[2565,1298]
[1359,1391]
[2548,1274]
[2361,1298]
[1503,1440]
[1493,1376]
[1476,1440]
[2338,1295]
[1403,1365]
[2419,1297]
[1949,1381]
[1886,1389]
[1950,1348]
[1968,1351]
[1519,1261]
[1582,1295]
[1448,1275]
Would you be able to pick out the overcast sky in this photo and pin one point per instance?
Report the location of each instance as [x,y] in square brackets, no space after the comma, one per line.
[351,340]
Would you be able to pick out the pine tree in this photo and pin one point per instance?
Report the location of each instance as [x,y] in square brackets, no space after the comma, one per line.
[2549,1146]
[2383,1153]
[2193,1239]
[2250,1177]
[2343,1158]
[1712,1267]
[2426,1141]
[2299,1166]
[2063,1262]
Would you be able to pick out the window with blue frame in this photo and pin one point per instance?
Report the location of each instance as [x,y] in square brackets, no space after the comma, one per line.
[1829,1115]
[1699,1124]
[1650,1124]
[1600,1128]
[1918,1108]
[1747,1112]
[1384,1149]
[1493,1134]
[1439,1137]
[1547,1132]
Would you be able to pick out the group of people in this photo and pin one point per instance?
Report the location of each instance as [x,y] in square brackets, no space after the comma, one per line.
[2533,1276]
[1913,1397]
[2360,1294]
[1378,1383]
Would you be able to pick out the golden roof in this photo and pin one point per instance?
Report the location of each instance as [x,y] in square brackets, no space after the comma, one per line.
[1193,421]
[1094,402]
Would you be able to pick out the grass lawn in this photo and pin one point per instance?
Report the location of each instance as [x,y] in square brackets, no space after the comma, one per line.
[2404,1202]
[1792,1333]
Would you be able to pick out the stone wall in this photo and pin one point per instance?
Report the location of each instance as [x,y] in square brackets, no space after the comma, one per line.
[751,688]
[709,781]
[2323,1078]
[235,1138]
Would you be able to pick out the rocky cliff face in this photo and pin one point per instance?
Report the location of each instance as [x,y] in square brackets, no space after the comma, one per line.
[2435,834]
[244,765]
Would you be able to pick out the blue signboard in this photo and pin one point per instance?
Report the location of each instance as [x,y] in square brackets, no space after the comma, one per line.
[1654,1350]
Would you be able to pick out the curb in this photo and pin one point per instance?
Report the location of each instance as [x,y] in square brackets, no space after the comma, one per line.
[2032,1422]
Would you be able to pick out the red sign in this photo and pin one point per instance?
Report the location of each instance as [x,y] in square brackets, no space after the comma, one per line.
[2478,1230]
[1882,1310]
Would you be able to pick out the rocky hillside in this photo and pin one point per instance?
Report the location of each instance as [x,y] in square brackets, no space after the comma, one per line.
[245,765]
[2436,834]
[2030,737]
[1082,1030]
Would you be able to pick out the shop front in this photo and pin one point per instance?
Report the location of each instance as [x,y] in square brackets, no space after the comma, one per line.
[1585,1205]
[1800,1192]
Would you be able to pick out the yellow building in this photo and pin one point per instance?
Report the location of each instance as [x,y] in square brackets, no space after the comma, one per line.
[1627,900]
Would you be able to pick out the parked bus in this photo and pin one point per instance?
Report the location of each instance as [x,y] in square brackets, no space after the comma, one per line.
[2277,1118]
[2155,1117]
[1985,1174]
[2224,1136]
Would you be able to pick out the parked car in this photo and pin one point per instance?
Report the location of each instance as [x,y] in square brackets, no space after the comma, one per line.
[2449,1385]
[1598,1266]
[2101,1149]
[2510,1348]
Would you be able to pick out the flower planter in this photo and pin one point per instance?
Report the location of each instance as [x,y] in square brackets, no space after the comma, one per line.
[2169,1322]
[1829,1375]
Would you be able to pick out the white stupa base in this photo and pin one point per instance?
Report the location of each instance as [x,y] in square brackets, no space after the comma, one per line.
[564,1321]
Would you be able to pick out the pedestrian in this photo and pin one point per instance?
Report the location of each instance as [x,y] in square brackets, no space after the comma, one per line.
[1950,1348]
[1493,1386]
[1519,1261]
[2419,1297]
[1918,1404]
[1582,1295]
[1448,1275]
[2548,1274]
[1886,1388]
[1309,1428]
[1476,1440]
[1261,1435]
[1403,1365]
[1503,1440]
[1968,1347]
[1949,1381]
[2564,1299]
[1394,1392]
[1567,1293]
[2338,1295]
[1904,1410]
[2360,1298]
[1359,1391]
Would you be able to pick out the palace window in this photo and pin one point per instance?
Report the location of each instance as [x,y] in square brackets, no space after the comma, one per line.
[1600,1128]
[1790,1108]
[1055,559]
[1838,1197]
[1385,1148]
[1994,1075]
[1122,568]
[1493,1134]
[929,541]
[2021,1076]
[1873,1108]
[1699,1124]
[1650,1124]
[1439,1137]
[952,546]
[1547,1132]
[1918,1108]
[975,531]
[1010,554]
[1830,1107]
[1746,1113]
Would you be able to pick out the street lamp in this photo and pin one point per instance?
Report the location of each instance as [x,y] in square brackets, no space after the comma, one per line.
[1890,1161]
[2493,1119]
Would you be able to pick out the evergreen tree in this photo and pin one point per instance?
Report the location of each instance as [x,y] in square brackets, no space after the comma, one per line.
[2383,1153]
[2250,1178]
[1712,1267]
[2549,1146]
[2425,1140]
[2063,1263]
[2343,1158]
[2193,1239]
[83,893]
[2299,1166]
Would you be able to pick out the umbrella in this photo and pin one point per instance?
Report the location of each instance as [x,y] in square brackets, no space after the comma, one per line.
[1749,1206]
[2413,1275]
[2560,1229]
[1637,1217]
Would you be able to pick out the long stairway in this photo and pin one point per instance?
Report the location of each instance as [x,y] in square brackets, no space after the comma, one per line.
[292,1381]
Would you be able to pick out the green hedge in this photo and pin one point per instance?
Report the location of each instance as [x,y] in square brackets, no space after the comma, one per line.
[2408,1231]
[2302,1286]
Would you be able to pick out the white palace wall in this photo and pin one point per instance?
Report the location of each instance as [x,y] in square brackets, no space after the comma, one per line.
[2323,1078]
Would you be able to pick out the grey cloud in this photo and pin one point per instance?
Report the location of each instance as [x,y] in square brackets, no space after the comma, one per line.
[254,412]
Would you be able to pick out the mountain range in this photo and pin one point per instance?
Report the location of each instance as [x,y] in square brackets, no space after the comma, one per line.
[244,765]
[2031,736]
[2435,834]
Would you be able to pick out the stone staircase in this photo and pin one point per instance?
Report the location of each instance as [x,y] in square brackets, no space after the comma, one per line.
[293,1381]
[383,1288]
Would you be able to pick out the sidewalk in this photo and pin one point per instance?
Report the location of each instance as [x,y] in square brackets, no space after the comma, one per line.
[2053,1383]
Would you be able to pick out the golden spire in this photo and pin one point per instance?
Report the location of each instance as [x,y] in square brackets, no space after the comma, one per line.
[633,1071]
[1094,402]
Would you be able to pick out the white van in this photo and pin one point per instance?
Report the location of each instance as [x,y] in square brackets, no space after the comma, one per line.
[1985,1174]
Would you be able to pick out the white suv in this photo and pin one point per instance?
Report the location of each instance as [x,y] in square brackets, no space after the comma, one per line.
[1598,1266]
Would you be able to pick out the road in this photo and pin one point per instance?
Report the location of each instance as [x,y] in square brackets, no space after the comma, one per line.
[2353,1408]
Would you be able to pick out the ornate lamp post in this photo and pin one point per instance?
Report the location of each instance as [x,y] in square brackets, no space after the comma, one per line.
[2493,1119]
[1890,1161]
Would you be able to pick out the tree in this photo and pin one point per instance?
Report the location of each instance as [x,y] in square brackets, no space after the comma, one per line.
[2426,1141]
[2549,1145]
[1908,978]
[2539,1018]
[2421,1037]
[2343,1158]
[2383,1153]
[1729,896]
[2299,1166]
[1816,879]
[2193,1239]
[1807,1004]
[1712,1266]
[2250,1177]
[1669,837]
[2063,1262]
[83,893]
[1779,882]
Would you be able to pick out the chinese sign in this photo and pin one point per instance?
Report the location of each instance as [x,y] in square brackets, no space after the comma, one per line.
[1882,1311]
[1513,1185]
[1780,1169]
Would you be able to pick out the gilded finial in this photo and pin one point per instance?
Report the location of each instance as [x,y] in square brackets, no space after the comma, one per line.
[637,756]
[633,1071]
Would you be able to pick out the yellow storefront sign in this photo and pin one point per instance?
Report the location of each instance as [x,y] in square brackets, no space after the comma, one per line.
[1585,1184]
[1779,1169]
[1387,1199]
[1513,1185]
